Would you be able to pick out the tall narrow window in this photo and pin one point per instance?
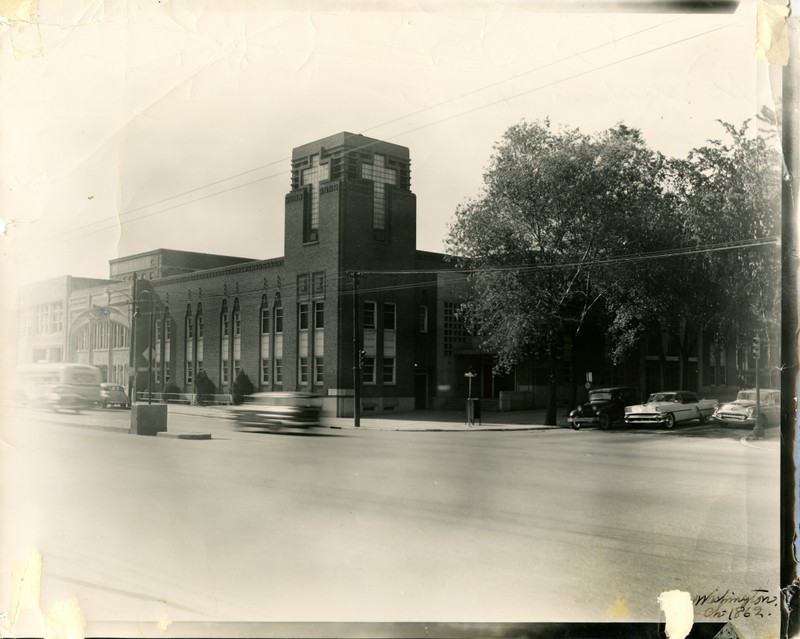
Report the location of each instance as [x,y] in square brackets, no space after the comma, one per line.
[277,326]
[381,175]
[189,349]
[311,177]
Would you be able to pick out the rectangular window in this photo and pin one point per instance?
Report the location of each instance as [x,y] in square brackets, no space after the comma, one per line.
[302,286]
[389,314]
[157,375]
[368,370]
[199,365]
[303,313]
[237,368]
[279,319]
[369,314]
[265,371]
[303,370]
[237,324]
[225,326]
[168,328]
[388,370]
[423,319]
[225,374]
[279,371]
[319,370]
[199,327]
[319,315]
[189,370]
[158,331]
[264,321]
[318,284]
[189,328]
[166,372]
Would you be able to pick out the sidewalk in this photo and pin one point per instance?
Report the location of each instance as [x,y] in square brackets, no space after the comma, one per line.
[429,420]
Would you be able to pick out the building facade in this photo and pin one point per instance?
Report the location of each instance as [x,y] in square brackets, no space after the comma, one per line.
[351,291]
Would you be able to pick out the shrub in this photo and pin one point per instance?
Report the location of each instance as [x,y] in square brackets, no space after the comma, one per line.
[242,386]
[203,387]
[170,390]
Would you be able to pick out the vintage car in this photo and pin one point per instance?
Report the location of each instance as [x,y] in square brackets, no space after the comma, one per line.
[742,411]
[605,406]
[668,408]
[276,411]
[113,395]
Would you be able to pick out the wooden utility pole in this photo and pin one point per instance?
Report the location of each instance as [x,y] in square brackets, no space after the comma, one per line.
[356,354]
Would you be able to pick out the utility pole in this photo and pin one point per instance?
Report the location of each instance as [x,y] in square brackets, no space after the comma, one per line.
[356,354]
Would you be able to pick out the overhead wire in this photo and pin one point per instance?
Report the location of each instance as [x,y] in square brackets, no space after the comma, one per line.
[118,221]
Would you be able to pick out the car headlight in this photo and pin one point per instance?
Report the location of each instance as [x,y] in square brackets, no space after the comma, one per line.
[628,409]
[751,412]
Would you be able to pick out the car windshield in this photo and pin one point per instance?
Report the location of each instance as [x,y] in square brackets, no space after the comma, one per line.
[746,396]
[661,397]
[599,396]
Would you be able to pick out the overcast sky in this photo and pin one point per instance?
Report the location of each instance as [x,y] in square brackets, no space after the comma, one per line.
[129,126]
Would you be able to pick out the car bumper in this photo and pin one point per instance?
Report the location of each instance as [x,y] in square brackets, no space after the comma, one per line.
[732,419]
[645,418]
[584,421]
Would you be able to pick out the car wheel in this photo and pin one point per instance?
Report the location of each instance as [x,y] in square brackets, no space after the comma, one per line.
[669,422]
[576,426]
[605,421]
[704,419]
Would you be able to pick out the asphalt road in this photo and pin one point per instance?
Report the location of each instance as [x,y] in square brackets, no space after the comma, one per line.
[551,525]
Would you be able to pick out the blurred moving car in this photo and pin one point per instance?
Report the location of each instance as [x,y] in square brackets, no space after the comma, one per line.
[667,408]
[58,386]
[742,411]
[605,406]
[275,411]
[113,395]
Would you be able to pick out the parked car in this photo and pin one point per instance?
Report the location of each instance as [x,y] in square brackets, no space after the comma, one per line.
[668,408]
[605,407]
[741,411]
[113,395]
[276,411]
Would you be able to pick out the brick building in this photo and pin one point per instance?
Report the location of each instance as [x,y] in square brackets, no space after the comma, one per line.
[288,322]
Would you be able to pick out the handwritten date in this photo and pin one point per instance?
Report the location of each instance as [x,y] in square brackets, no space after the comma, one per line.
[729,605]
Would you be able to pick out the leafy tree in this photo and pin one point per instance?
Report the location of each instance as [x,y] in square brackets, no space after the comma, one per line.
[203,387]
[554,203]
[721,194]
[242,386]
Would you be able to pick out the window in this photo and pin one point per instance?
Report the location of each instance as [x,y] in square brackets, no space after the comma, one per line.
[237,368]
[237,322]
[279,319]
[156,374]
[189,372]
[319,370]
[158,331]
[166,372]
[303,370]
[225,374]
[388,370]
[389,313]
[312,176]
[265,321]
[279,371]
[225,325]
[303,317]
[381,175]
[199,365]
[189,328]
[319,315]
[302,286]
[168,328]
[368,370]
[369,314]
[199,323]
[265,371]
[423,319]
[318,284]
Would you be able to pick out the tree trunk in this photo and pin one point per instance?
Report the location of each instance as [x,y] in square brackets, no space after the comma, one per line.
[552,398]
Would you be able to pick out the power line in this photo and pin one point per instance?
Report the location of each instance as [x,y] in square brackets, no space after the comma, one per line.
[119,221]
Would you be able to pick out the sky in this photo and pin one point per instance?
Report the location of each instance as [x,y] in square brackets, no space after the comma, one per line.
[127,126]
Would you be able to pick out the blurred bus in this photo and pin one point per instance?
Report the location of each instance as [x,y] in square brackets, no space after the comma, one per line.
[58,386]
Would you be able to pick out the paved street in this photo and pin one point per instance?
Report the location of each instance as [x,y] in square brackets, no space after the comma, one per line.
[379,524]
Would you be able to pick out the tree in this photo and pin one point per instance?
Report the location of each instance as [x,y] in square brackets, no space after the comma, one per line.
[242,386]
[203,387]
[554,203]
[722,194]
